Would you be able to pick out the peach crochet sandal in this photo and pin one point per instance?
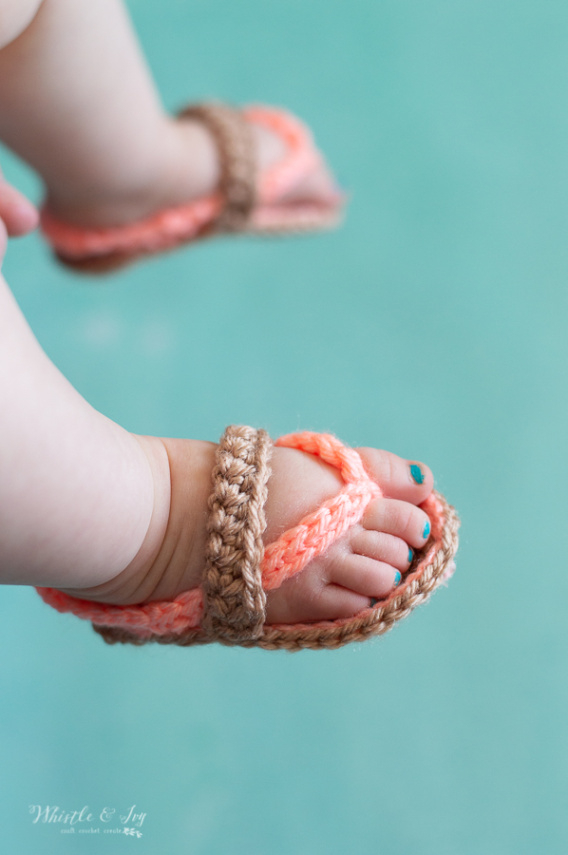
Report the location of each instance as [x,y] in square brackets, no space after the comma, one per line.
[244,202]
[229,607]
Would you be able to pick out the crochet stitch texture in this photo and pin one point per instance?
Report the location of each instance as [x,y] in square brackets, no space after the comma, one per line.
[233,595]
[243,465]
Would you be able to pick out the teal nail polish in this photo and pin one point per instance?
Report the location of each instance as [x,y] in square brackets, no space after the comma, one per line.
[426,532]
[410,555]
[417,473]
[397,578]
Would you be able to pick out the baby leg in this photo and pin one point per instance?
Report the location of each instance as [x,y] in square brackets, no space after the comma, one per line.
[76,490]
[78,103]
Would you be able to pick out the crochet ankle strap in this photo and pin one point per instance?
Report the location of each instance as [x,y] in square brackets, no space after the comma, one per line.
[234,599]
[235,145]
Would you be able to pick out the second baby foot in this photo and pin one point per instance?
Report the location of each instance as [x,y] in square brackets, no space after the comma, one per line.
[363,565]
[182,165]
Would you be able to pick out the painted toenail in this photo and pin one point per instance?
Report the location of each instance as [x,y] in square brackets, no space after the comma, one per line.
[417,473]
[426,532]
[410,555]
[397,579]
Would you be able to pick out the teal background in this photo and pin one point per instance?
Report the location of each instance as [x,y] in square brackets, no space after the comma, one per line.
[432,324]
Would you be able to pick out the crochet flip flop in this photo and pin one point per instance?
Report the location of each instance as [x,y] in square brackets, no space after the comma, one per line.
[229,607]
[245,201]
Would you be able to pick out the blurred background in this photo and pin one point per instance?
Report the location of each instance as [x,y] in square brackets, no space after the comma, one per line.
[433,324]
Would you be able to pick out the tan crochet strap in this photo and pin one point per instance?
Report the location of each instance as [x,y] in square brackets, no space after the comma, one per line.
[235,144]
[234,599]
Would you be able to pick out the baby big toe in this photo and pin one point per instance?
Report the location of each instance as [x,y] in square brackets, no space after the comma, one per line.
[398,478]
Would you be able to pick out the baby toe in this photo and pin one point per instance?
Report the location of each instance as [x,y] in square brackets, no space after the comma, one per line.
[306,598]
[401,519]
[337,602]
[382,547]
[398,478]
[365,576]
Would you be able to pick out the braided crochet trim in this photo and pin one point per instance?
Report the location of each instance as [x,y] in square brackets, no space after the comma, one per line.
[234,598]
[180,621]
[317,531]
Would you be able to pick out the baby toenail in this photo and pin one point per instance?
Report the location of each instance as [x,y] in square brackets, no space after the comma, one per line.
[397,579]
[410,555]
[426,532]
[417,473]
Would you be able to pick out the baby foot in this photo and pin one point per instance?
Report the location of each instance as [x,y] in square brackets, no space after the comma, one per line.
[363,565]
[184,167]
[368,561]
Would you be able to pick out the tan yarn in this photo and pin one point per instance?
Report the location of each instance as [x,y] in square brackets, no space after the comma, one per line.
[235,145]
[234,598]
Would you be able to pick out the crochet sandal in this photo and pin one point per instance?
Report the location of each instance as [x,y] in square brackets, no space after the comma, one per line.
[229,607]
[244,202]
